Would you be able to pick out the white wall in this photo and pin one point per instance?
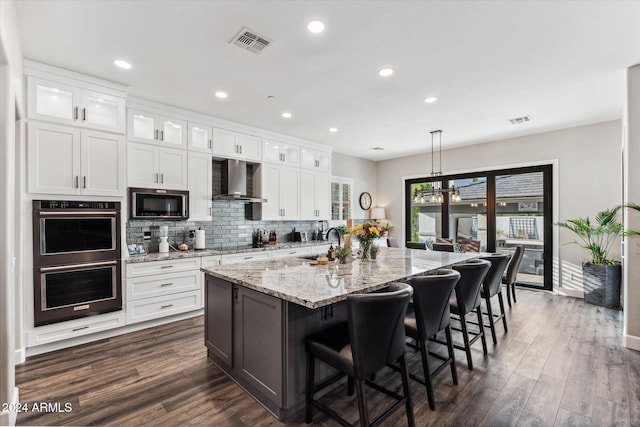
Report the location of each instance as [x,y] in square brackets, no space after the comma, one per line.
[631,266]
[10,99]
[363,173]
[589,179]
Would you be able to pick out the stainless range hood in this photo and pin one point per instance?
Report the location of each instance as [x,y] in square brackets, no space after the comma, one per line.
[234,183]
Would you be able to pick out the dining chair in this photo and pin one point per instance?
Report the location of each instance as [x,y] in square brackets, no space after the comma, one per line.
[373,337]
[416,245]
[509,278]
[392,242]
[443,247]
[431,315]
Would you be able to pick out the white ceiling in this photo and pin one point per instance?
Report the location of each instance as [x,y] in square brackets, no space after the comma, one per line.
[561,62]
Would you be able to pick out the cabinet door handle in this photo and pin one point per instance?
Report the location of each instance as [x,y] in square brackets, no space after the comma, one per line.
[240,148]
[235,294]
[284,157]
[166,284]
[80,328]
[167,266]
[235,148]
[210,143]
[248,257]
[155,134]
[84,182]
[161,135]
[75,113]
[210,213]
[84,114]
[161,178]
[76,181]
[167,306]
[157,178]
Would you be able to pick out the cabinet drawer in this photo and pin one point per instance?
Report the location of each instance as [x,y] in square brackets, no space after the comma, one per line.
[161,267]
[167,305]
[290,252]
[162,284]
[210,261]
[249,256]
[75,328]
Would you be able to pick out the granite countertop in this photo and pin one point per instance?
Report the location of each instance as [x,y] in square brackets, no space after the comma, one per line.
[172,254]
[295,280]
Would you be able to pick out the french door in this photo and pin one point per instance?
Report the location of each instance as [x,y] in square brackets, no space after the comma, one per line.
[489,211]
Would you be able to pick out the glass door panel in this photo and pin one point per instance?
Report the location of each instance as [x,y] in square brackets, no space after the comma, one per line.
[143,127]
[103,112]
[468,216]
[426,215]
[173,132]
[54,102]
[520,222]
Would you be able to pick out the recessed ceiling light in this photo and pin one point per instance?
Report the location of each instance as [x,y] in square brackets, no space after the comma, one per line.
[120,63]
[286,115]
[221,94]
[430,99]
[333,129]
[385,72]
[315,26]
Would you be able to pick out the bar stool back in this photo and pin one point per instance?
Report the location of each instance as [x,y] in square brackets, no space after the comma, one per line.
[492,286]
[509,279]
[467,299]
[372,337]
[431,296]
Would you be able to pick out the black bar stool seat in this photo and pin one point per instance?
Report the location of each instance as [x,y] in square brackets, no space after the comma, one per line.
[372,338]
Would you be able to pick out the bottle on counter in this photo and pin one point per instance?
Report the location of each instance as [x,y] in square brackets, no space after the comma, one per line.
[331,253]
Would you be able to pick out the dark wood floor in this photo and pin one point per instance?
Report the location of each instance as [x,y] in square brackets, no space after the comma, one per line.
[562,363]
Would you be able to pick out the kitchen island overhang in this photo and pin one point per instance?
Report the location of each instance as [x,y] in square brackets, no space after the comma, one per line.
[257,315]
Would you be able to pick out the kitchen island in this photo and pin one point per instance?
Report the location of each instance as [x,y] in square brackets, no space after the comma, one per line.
[257,314]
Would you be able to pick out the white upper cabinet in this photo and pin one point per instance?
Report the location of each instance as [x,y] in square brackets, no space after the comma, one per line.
[317,160]
[315,195]
[200,186]
[199,138]
[156,129]
[156,167]
[281,188]
[280,153]
[235,145]
[67,104]
[68,160]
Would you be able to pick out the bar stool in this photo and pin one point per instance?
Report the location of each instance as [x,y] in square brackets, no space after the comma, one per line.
[417,245]
[372,337]
[509,279]
[492,286]
[431,296]
[467,299]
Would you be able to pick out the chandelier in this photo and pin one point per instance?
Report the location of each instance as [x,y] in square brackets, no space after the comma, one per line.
[436,193]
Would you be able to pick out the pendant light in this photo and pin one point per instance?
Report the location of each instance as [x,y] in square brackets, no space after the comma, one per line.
[436,194]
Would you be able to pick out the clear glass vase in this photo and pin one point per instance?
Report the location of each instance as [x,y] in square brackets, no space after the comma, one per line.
[365,250]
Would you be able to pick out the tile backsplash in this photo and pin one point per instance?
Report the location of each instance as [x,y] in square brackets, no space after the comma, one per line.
[229,229]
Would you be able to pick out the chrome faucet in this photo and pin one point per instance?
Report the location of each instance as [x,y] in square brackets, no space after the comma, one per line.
[337,232]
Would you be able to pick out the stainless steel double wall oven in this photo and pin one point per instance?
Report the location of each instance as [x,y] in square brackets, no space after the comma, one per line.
[76,258]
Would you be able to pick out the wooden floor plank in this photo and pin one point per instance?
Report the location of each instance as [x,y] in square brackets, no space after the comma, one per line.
[561,363]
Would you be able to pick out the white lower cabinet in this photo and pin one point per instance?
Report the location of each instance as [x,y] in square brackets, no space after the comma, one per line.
[284,253]
[74,328]
[244,257]
[158,289]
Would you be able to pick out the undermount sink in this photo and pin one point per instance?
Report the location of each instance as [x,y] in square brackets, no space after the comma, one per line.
[311,257]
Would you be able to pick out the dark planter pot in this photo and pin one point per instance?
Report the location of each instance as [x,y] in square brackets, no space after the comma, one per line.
[602,284]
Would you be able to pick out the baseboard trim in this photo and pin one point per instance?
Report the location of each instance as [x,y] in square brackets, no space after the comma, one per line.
[9,418]
[569,292]
[632,342]
[20,356]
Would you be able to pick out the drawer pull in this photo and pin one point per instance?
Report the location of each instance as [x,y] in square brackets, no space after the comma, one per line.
[166,284]
[248,257]
[167,266]
[79,329]
[167,306]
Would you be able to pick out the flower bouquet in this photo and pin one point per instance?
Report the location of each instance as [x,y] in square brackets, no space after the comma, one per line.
[366,233]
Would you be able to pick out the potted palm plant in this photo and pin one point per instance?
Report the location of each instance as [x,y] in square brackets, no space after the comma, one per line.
[601,274]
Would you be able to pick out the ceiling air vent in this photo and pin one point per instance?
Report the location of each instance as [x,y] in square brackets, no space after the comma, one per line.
[518,120]
[250,40]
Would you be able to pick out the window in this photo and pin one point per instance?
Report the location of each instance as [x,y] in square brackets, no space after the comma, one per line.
[341,197]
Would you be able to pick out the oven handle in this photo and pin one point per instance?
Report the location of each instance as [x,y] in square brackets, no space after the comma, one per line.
[76,266]
[79,213]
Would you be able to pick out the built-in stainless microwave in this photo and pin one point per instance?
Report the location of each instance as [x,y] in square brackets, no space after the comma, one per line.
[151,203]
